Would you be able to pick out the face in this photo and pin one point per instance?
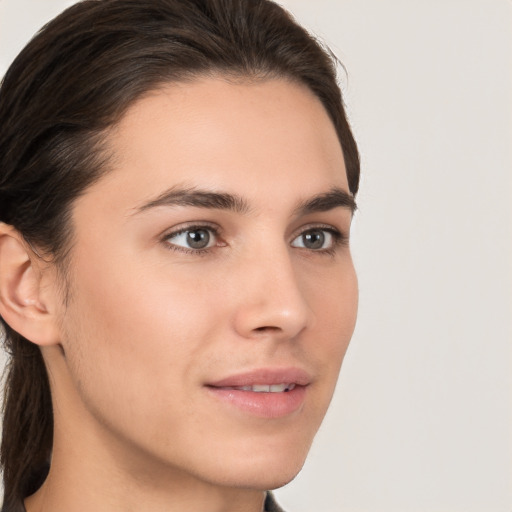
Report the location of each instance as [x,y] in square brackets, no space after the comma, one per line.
[213,294]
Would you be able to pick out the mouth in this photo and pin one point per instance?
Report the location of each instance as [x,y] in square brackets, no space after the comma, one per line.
[262,388]
[266,393]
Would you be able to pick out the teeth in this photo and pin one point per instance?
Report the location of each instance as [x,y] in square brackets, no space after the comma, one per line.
[261,388]
[266,388]
[278,388]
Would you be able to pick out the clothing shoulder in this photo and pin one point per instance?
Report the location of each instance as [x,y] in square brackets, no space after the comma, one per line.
[271,505]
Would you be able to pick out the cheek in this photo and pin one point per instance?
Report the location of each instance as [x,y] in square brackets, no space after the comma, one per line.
[134,343]
[334,300]
[335,305]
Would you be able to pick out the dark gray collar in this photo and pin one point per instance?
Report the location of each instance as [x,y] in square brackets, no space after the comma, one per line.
[271,505]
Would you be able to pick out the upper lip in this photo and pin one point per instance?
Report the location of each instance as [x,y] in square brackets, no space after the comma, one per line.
[268,376]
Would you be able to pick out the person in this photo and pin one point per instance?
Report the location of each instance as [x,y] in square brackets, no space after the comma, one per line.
[177,183]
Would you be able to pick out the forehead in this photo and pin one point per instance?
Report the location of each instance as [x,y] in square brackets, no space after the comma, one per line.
[239,137]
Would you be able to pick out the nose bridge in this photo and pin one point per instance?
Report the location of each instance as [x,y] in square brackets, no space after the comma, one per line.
[273,300]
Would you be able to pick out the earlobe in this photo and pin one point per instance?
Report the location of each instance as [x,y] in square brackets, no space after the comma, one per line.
[21,303]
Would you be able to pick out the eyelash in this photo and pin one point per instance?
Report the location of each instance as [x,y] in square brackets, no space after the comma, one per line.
[214,230]
[339,239]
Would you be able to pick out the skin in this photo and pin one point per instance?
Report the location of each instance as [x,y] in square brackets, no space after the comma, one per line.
[149,321]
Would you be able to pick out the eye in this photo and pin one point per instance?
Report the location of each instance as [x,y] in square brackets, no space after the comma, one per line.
[316,239]
[194,238]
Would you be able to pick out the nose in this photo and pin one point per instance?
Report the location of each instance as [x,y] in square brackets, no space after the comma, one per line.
[272,302]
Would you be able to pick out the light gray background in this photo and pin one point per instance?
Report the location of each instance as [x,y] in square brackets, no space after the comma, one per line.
[422,418]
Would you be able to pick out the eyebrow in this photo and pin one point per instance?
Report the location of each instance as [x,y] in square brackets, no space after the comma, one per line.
[334,198]
[198,199]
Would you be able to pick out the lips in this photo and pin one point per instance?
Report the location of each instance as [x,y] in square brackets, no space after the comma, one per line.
[266,393]
[265,377]
[264,388]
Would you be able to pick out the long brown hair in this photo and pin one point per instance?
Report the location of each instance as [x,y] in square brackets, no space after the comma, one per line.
[72,82]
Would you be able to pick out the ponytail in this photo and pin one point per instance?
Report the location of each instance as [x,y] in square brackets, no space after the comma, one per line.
[27,429]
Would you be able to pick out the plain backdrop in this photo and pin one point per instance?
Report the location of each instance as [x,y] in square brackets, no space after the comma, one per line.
[422,417]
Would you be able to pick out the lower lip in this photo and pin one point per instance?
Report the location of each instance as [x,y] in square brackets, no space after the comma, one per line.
[264,405]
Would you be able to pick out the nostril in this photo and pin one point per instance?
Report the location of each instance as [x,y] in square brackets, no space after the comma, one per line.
[268,328]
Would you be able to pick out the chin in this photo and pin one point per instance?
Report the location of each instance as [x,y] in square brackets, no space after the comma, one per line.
[279,480]
[266,479]
[263,471]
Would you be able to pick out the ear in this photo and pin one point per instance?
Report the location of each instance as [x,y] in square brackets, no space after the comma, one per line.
[25,304]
